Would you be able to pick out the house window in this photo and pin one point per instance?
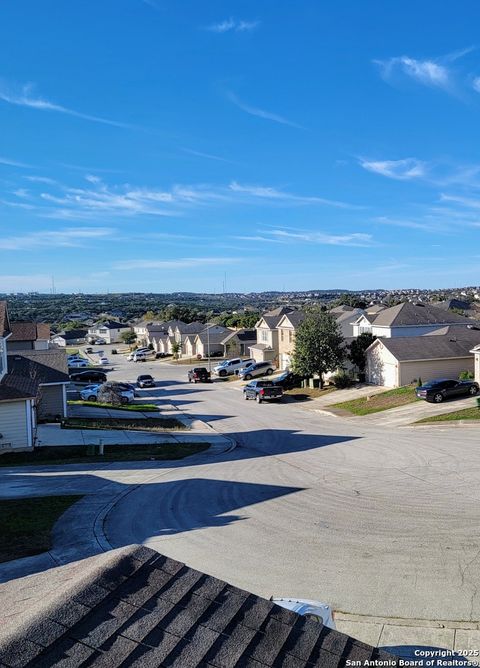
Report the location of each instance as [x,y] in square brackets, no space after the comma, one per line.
[363,329]
[290,337]
[264,336]
[281,335]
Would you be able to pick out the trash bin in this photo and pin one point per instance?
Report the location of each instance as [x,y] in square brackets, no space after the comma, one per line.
[478,402]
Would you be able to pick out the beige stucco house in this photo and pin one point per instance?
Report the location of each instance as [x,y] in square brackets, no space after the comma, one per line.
[398,361]
[287,327]
[109,330]
[266,348]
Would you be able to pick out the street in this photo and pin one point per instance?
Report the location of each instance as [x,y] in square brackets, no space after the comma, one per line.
[373,521]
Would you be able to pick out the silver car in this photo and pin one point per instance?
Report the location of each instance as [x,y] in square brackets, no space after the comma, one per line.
[256,370]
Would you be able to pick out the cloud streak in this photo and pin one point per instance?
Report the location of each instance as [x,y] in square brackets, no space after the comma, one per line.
[179,263]
[402,170]
[233,25]
[66,238]
[260,113]
[26,98]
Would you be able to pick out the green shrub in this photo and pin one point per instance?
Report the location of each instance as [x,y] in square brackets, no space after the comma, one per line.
[419,382]
[466,375]
[341,380]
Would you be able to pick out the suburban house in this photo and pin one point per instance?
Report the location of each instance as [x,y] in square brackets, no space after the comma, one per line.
[182,330]
[266,348]
[32,384]
[401,360]
[237,343]
[73,337]
[287,326]
[408,319]
[344,321]
[110,330]
[145,329]
[211,340]
[160,341]
[48,369]
[29,336]
[476,355]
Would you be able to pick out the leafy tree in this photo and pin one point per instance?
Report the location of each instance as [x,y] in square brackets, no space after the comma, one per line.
[318,345]
[176,348]
[357,350]
[128,337]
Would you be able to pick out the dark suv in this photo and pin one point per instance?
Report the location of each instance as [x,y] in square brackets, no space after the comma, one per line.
[438,390]
[199,375]
[145,380]
[88,376]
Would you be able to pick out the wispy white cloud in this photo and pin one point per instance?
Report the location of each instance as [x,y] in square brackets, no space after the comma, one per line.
[273,194]
[13,163]
[69,237]
[476,84]
[209,156]
[233,25]
[426,72]
[261,113]
[402,170]
[468,202]
[179,263]
[41,179]
[407,223]
[25,97]
[358,239]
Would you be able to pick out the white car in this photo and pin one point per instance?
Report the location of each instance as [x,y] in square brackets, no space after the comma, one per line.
[131,356]
[314,610]
[229,367]
[99,342]
[77,363]
[103,360]
[90,393]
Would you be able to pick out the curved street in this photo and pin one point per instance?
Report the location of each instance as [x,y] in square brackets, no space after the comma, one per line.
[373,520]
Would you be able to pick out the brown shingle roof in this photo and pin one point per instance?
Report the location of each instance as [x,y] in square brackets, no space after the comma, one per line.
[17,387]
[4,321]
[29,331]
[409,348]
[134,607]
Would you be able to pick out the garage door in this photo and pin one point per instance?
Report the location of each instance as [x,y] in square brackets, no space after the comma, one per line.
[382,374]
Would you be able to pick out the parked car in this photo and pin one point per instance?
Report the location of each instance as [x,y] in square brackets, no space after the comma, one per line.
[104,360]
[161,355]
[91,393]
[131,356]
[228,367]
[257,369]
[140,356]
[199,375]
[262,390]
[287,380]
[145,380]
[90,376]
[89,349]
[437,390]
[99,342]
[77,363]
[313,610]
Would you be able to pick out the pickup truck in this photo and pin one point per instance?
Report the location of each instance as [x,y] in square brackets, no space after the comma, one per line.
[199,375]
[229,367]
[262,390]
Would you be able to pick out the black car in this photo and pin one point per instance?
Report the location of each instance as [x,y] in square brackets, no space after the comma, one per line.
[262,390]
[287,380]
[438,390]
[145,380]
[199,375]
[90,376]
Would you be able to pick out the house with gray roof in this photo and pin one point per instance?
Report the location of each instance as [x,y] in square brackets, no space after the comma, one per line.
[109,330]
[398,361]
[135,607]
[238,342]
[408,319]
[29,336]
[266,347]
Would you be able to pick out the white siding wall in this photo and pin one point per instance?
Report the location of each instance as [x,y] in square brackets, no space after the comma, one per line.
[14,426]
[477,367]
[433,369]
[381,367]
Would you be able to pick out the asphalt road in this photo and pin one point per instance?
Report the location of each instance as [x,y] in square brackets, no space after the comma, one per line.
[373,520]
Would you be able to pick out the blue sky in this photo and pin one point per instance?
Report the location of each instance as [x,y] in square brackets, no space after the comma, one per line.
[159,145]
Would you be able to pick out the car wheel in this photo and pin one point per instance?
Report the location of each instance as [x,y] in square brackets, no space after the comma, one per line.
[258,399]
[123,400]
[189,380]
[269,372]
[248,377]
[222,373]
[245,396]
[438,398]
[473,390]
[92,398]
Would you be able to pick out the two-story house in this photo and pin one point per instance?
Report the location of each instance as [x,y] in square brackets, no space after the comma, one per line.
[266,348]
[287,327]
[29,336]
[109,330]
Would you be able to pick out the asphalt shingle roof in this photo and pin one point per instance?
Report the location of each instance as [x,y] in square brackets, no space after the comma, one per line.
[408,348]
[417,314]
[17,387]
[134,607]
[4,321]
[29,331]
[110,324]
[44,366]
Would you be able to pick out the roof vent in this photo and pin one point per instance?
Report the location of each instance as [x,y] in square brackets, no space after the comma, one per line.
[418,304]
[454,339]
[475,327]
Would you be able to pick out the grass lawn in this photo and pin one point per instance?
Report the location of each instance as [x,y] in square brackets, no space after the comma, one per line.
[26,524]
[77,454]
[472,413]
[383,401]
[71,351]
[135,424]
[305,393]
[142,408]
